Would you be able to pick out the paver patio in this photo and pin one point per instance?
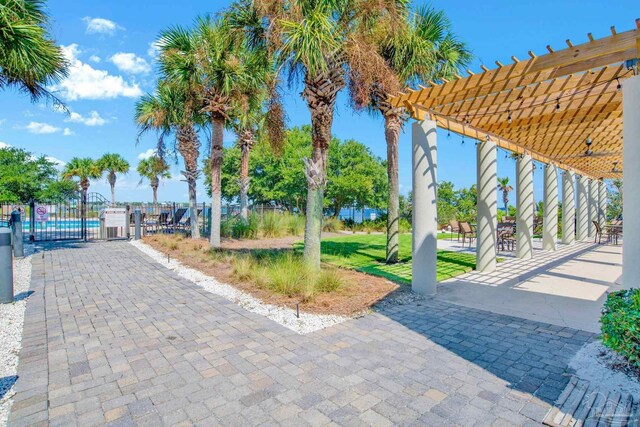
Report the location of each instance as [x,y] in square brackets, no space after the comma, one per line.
[113,338]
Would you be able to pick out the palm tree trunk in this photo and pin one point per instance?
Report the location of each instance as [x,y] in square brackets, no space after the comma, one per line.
[244,176]
[154,187]
[112,183]
[320,92]
[392,126]
[217,125]
[188,146]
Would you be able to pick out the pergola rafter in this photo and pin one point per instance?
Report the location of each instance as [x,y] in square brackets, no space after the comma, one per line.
[546,105]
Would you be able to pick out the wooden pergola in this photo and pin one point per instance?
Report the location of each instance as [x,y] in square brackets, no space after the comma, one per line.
[547,106]
[564,109]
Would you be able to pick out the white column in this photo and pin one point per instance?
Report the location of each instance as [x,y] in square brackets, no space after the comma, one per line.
[568,208]
[582,210]
[550,219]
[487,174]
[425,211]
[593,206]
[524,202]
[631,171]
[602,203]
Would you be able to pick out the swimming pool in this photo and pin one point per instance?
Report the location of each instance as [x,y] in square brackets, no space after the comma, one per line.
[63,224]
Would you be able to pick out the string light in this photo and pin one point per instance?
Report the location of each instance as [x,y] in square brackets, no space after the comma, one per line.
[619,85]
[509,117]
[547,102]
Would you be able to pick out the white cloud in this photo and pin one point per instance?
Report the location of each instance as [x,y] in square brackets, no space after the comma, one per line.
[93,119]
[41,128]
[95,58]
[130,63]
[100,26]
[4,145]
[85,82]
[147,154]
[154,49]
[59,163]
[68,132]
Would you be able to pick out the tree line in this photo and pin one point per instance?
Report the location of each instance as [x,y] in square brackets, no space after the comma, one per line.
[355,177]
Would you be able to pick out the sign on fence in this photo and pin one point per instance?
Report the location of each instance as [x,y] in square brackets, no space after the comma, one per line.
[115,217]
[42,213]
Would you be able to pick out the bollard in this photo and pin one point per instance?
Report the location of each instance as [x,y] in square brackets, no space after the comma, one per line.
[137,216]
[6,267]
[16,232]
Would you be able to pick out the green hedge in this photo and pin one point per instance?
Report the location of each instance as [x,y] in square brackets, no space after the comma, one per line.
[621,324]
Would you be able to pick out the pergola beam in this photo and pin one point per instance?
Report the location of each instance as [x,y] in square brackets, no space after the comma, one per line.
[547,105]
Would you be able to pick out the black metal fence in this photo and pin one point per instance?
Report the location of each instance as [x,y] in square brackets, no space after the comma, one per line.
[75,219]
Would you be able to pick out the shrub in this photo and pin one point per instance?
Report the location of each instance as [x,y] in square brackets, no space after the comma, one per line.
[272,225]
[404,225]
[331,224]
[239,228]
[620,324]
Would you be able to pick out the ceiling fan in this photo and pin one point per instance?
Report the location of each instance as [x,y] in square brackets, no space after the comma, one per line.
[615,168]
[589,152]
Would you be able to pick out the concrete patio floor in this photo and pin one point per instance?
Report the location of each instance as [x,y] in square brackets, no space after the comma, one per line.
[566,288]
[111,337]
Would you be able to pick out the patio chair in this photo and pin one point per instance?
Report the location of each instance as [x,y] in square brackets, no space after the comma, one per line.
[455,228]
[506,236]
[467,232]
[598,237]
[155,221]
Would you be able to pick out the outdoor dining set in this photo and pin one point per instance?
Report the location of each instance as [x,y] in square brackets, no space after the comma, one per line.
[506,232]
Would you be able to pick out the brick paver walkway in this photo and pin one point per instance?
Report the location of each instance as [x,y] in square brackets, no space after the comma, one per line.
[112,337]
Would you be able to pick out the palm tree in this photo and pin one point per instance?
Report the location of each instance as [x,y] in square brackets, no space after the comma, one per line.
[225,73]
[423,49]
[312,40]
[503,185]
[153,169]
[113,164]
[167,112]
[85,169]
[29,58]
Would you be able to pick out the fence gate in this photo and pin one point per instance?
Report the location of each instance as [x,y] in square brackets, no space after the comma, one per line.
[76,219]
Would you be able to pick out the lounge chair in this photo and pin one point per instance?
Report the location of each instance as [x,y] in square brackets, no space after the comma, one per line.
[186,225]
[174,221]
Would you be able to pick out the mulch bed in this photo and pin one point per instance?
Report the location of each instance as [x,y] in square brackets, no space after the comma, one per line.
[360,292]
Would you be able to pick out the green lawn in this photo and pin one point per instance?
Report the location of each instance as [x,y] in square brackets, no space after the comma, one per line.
[366,252]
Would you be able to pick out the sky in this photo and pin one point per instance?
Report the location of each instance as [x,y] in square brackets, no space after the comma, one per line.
[110,47]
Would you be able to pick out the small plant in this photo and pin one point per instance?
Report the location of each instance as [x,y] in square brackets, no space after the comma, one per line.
[620,324]
[285,273]
[173,246]
[295,224]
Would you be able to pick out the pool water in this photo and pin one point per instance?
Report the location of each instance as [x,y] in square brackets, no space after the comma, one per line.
[62,224]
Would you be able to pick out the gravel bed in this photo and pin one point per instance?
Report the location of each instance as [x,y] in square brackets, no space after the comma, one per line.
[285,316]
[402,296]
[11,321]
[606,369]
